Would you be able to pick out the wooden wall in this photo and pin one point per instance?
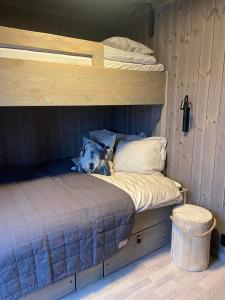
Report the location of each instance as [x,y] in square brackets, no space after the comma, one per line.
[33,135]
[136,119]
[190,42]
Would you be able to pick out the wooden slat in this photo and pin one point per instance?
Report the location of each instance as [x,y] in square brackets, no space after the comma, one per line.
[31,83]
[208,17]
[218,182]
[172,84]
[196,64]
[23,39]
[173,93]
[220,157]
[192,88]
[183,24]
[213,106]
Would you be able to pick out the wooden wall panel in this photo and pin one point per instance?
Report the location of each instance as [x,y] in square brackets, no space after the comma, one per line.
[190,41]
[171,64]
[32,135]
[136,119]
[38,134]
[207,21]
[183,32]
[192,47]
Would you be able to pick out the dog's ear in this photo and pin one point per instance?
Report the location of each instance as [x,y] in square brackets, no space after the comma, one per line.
[104,146]
[82,151]
[109,142]
[103,153]
[99,146]
[75,168]
[85,140]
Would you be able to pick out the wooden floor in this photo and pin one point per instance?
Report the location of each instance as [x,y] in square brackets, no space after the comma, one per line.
[156,277]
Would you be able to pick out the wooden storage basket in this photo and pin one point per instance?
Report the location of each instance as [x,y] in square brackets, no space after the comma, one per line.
[191,234]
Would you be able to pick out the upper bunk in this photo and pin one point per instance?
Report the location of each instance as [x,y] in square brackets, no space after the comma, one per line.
[39,69]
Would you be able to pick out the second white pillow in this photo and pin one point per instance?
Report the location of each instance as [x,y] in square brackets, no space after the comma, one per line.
[143,156]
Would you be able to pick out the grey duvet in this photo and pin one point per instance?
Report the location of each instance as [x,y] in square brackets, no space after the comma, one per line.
[56,226]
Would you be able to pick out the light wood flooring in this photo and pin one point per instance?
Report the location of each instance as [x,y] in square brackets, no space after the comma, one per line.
[156,277]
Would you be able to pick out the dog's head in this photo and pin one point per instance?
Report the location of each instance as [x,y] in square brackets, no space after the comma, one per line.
[91,155]
[95,157]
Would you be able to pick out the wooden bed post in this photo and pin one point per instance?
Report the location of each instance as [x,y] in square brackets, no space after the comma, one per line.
[164,109]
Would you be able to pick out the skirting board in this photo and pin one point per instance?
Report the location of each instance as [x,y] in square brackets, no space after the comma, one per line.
[151,231]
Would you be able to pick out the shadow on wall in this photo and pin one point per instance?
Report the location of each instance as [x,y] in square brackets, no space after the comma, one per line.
[136,119]
[30,135]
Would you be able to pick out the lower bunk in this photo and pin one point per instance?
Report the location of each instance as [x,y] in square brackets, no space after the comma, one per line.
[61,231]
[151,231]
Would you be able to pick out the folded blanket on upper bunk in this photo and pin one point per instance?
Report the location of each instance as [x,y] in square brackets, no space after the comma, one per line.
[114,54]
[53,227]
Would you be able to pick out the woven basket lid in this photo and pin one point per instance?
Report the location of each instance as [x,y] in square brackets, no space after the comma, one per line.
[194,219]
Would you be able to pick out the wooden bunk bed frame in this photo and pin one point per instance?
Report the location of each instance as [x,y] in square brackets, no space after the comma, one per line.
[26,82]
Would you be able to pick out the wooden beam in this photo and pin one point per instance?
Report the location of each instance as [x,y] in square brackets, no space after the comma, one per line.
[24,39]
[34,83]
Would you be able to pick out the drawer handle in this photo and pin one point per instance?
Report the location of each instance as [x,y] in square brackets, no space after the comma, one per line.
[138,239]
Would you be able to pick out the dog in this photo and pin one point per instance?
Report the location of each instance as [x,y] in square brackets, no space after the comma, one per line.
[95,157]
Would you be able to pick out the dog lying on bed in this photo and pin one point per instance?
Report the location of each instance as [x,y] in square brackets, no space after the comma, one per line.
[95,157]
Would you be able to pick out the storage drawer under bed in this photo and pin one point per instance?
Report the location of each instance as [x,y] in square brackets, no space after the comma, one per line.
[139,244]
[151,217]
[152,230]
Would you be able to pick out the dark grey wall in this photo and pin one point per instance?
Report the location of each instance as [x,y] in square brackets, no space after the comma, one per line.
[32,135]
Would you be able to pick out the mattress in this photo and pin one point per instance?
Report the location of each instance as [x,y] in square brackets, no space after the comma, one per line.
[147,191]
[75,60]
[133,67]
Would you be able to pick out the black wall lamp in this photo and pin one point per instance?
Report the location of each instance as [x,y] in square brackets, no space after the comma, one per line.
[150,14]
[186,107]
[151,22]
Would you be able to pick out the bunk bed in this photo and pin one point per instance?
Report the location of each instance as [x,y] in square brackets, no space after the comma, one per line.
[38,69]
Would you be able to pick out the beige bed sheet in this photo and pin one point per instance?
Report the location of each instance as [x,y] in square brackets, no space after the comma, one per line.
[147,191]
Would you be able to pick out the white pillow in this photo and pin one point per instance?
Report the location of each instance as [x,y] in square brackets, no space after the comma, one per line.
[123,43]
[114,54]
[143,156]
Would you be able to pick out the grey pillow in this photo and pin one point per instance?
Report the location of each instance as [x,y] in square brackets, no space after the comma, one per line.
[101,134]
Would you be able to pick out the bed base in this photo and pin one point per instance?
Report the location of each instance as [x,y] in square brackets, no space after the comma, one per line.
[151,231]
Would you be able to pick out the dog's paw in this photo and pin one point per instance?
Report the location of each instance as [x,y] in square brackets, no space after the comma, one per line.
[73,168]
